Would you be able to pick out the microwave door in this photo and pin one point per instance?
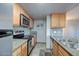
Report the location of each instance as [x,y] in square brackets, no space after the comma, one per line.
[24,21]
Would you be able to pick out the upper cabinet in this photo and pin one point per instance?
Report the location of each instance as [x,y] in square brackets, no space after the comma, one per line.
[58,20]
[24,13]
[16,15]
[62,20]
[17,10]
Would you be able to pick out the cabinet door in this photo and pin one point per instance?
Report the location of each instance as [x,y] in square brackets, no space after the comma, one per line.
[63,51]
[24,49]
[55,49]
[16,15]
[19,51]
[62,20]
[58,50]
[23,12]
[55,21]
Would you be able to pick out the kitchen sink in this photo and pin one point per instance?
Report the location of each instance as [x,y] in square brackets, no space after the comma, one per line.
[71,43]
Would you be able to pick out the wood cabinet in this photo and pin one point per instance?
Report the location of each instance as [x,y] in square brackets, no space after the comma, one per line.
[17,10]
[62,51]
[24,13]
[16,15]
[62,20]
[21,50]
[54,21]
[55,49]
[24,49]
[58,20]
[58,50]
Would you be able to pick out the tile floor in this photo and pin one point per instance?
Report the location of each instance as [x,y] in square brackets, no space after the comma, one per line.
[36,50]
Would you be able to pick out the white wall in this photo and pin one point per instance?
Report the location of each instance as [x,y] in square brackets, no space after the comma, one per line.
[48,41]
[73,14]
[41,30]
[6,46]
[6,11]
[72,23]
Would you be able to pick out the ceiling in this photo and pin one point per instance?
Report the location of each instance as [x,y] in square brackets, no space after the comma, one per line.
[41,10]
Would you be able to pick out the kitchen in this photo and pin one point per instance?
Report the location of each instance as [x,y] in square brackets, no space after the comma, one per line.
[32,32]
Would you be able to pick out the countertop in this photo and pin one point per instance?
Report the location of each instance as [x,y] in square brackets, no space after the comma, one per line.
[21,36]
[74,52]
[5,35]
[5,32]
[18,42]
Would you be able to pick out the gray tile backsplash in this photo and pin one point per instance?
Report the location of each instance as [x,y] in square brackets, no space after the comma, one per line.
[57,32]
[26,30]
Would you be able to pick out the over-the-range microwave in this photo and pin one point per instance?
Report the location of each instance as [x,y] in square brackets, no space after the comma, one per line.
[24,21]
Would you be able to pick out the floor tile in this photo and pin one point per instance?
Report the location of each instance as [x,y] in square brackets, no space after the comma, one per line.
[38,47]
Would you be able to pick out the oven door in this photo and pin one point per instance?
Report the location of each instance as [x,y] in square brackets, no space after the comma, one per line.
[29,47]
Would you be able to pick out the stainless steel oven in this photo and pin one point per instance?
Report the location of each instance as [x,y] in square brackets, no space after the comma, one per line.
[24,21]
[30,46]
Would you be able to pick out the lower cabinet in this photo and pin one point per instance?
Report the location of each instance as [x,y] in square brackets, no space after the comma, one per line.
[55,49]
[58,50]
[63,51]
[24,49]
[21,50]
